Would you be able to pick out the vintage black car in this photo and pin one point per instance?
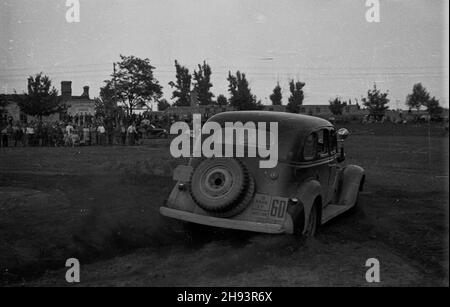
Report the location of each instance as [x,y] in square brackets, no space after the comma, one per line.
[308,187]
[152,132]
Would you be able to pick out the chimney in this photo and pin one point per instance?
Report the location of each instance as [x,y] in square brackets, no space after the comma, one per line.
[194,98]
[66,90]
[86,91]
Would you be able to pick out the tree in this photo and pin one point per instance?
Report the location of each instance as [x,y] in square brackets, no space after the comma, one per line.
[222,100]
[376,102]
[297,96]
[163,104]
[203,84]
[433,107]
[134,83]
[337,106]
[182,86]
[241,95]
[421,98]
[276,97]
[418,98]
[42,99]
[106,104]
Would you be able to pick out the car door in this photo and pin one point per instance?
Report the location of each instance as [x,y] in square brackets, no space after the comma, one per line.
[332,165]
[327,166]
[315,161]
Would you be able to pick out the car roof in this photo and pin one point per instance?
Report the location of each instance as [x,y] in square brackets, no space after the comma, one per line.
[292,128]
[286,121]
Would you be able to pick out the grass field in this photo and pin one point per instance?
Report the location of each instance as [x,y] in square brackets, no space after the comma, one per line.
[100,205]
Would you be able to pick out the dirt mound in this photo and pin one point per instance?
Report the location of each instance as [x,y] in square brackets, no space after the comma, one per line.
[32,226]
[86,217]
[157,167]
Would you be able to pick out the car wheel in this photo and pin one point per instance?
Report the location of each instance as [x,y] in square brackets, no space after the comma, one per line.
[311,226]
[223,187]
[299,222]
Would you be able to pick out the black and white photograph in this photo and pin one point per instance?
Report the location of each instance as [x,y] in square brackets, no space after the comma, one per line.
[224,148]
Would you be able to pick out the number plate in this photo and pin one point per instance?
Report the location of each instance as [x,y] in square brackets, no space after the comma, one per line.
[267,207]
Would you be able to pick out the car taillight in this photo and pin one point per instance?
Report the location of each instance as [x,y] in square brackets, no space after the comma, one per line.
[294,201]
[273,175]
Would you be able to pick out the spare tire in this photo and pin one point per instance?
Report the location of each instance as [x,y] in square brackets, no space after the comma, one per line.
[222,186]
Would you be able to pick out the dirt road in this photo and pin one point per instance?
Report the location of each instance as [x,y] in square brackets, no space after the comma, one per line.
[101,206]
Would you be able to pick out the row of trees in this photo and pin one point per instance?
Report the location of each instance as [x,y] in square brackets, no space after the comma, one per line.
[134,85]
[241,96]
[377,102]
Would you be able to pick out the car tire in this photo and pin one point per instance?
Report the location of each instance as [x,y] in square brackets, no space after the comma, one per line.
[312,223]
[299,222]
[356,205]
[223,187]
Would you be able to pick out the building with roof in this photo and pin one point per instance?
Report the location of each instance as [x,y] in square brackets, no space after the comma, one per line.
[323,110]
[77,105]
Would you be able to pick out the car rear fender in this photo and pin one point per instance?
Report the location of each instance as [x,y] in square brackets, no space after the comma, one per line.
[180,199]
[353,178]
[308,193]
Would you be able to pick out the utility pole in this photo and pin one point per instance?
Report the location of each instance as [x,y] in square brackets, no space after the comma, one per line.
[114,82]
[115,92]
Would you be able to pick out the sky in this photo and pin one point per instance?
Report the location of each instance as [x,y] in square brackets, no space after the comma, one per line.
[328,44]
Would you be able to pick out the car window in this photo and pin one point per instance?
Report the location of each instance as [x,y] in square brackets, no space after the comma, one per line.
[333,142]
[322,143]
[309,147]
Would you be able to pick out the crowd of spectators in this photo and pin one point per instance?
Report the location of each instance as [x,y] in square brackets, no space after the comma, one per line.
[82,131]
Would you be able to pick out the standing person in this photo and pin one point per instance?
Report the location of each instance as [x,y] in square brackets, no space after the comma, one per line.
[80,133]
[123,133]
[30,134]
[9,132]
[142,132]
[4,134]
[24,134]
[109,126]
[86,135]
[69,129]
[60,134]
[93,134]
[38,134]
[45,134]
[131,131]
[68,134]
[117,134]
[51,134]
[18,134]
[101,135]
[1,134]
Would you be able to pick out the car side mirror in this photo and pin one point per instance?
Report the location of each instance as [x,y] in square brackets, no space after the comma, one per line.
[342,134]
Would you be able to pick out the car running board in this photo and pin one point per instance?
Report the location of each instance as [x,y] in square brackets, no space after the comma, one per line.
[332,211]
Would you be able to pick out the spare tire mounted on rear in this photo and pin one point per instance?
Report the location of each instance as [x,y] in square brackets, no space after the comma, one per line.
[222,186]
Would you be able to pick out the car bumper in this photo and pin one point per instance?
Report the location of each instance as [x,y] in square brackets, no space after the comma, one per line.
[221,222]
